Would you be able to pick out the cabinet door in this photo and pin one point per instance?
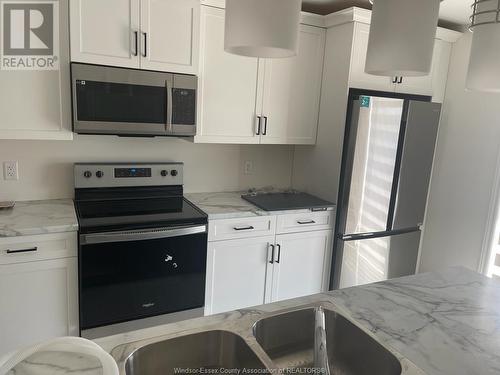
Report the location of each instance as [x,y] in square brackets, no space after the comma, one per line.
[227,87]
[433,84]
[302,264]
[422,85]
[105,33]
[36,104]
[440,71]
[38,302]
[238,274]
[358,78]
[292,89]
[170,35]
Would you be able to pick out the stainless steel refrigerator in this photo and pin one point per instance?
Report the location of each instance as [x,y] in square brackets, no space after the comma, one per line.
[386,168]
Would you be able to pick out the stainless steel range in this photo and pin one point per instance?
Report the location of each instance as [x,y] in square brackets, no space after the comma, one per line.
[142,245]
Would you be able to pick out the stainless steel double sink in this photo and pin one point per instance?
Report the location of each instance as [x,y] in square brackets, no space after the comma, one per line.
[273,343]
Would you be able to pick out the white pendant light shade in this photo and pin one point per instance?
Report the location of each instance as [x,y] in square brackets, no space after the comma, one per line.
[401,39]
[484,64]
[262,28]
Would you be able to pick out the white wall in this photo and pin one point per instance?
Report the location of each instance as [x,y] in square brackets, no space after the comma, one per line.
[464,170]
[45,167]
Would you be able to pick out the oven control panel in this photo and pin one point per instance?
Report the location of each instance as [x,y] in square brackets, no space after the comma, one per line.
[102,175]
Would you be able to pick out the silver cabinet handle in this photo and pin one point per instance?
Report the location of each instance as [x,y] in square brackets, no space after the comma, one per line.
[264,132]
[272,254]
[301,222]
[244,228]
[259,124]
[31,249]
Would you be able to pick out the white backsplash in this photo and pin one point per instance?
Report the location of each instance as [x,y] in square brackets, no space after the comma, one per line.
[46,167]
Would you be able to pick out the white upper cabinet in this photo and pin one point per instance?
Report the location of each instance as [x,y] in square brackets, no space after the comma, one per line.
[358,78]
[431,85]
[440,69]
[227,87]
[292,89]
[148,34]
[106,34]
[170,35]
[36,104]
[248,100]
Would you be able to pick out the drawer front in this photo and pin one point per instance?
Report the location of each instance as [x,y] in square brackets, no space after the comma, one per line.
[219,230]
[40,247]
[309,221]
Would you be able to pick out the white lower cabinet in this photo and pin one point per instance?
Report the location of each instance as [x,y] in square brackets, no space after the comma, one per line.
[238,274]
[304,264]
[261,269]
[38,293]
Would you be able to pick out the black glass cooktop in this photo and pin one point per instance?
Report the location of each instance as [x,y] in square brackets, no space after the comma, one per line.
[286,201]
[123,214]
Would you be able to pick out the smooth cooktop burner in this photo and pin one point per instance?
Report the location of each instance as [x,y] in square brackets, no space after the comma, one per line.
[132,207]
[123,214]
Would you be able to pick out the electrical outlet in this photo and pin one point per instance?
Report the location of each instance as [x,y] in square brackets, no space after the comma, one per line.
[248,168]
[10,170]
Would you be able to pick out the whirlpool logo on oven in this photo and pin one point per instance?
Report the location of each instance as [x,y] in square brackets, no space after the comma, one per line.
[30,35]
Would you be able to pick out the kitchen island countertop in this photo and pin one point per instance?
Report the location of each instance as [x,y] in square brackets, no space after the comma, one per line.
[444,322]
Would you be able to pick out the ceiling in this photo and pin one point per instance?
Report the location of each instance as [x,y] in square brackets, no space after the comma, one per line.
[454,13]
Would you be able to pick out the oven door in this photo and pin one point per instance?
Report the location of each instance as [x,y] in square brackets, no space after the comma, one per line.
[120,101]
[138,274]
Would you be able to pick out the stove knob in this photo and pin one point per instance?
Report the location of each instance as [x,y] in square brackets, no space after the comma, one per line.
[99,174]
[164,173]
[174,172]
[87,174]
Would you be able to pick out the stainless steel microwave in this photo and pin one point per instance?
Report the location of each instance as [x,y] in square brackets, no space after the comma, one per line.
[130,102]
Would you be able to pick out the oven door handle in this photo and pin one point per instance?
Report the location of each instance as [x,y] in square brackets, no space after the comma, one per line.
[141,235]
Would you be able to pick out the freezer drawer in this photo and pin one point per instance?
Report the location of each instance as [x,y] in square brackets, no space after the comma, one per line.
[370,260]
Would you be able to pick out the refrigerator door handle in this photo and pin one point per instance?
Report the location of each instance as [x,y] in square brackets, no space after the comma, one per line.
[366,236]
[359,236]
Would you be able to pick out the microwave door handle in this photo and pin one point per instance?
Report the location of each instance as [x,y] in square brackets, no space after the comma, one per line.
[169,129]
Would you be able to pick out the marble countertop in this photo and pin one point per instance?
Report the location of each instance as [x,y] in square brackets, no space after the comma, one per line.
[436,323]
[55,216]
[444,322]
[230,205]
[38,217]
